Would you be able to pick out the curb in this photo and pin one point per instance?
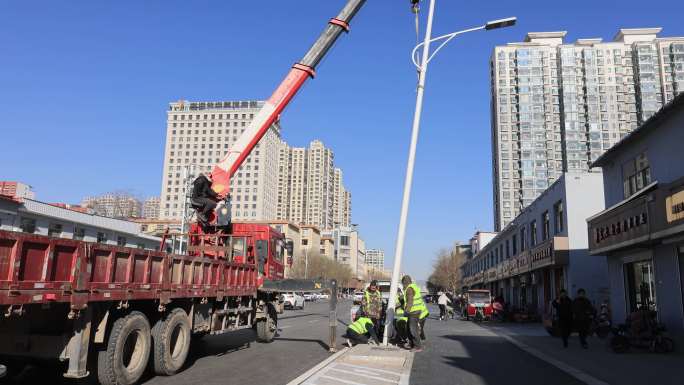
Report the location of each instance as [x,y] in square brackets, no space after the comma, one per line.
[306,375]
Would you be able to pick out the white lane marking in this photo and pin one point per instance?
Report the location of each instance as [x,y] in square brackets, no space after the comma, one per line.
[358,373]
[316,368]
[577,373]
[359,367]
[341,380]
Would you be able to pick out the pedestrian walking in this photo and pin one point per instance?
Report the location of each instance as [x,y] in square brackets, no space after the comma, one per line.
[413,308]
[361,331]
[443,301]
[582,314]
[563,306]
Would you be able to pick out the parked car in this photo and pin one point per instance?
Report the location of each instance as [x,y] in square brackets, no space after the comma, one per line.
[358,297]
[324,296]
[293,300]
[309,297]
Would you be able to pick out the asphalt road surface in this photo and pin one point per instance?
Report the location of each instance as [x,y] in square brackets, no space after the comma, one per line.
[236,358]
[463,353]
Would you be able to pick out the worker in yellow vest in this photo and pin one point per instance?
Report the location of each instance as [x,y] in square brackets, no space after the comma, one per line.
[423,316]
[414,306]
[371,304]
[400,320]
[361,331]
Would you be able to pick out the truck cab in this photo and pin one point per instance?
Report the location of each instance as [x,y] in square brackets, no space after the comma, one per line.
[267,249]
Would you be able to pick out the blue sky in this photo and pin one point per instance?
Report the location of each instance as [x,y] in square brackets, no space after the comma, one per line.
[85,86]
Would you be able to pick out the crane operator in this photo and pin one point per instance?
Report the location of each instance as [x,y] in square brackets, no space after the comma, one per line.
[203,197]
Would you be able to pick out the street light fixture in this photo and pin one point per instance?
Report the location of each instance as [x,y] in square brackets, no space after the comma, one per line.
[408,181]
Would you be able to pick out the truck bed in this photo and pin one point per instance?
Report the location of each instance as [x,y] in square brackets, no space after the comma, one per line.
[36,269]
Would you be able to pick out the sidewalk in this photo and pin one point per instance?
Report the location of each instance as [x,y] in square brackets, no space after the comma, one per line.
[598,364]
[361,365]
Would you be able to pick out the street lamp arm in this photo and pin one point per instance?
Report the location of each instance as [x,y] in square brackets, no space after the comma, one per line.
[447,38]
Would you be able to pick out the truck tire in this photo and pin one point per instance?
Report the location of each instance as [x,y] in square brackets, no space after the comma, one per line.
[171,342]
[125,357]
[266,327]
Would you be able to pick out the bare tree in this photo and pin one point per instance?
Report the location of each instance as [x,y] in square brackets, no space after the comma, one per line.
[446,272]
[319,266]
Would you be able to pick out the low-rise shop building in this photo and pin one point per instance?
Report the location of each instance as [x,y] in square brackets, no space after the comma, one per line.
[642,230]
[544,249]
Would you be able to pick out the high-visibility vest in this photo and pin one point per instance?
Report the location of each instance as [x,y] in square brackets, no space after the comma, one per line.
[368,295]
[399,315]
[425,312]
[418,304]
[361,325]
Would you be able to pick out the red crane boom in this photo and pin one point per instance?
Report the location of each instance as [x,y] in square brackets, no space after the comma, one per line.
[300,72]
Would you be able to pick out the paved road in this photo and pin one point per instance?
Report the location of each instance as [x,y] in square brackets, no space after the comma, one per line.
[236,358]
[461,352]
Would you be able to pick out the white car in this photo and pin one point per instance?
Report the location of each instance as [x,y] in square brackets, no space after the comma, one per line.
[293,300]
[324,296]
[358,297]
[309,297]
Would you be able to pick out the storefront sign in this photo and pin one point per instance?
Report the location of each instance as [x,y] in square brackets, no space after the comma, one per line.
[674,207]
[622,224]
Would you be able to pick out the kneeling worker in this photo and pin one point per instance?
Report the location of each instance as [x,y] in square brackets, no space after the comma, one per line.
[361,330]
[400,321]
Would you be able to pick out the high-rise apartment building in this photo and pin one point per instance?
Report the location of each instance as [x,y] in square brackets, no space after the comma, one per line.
[375,258]
[558,106]
[341,201]
[198,135]
[151,208]
[114,205]
[310,190]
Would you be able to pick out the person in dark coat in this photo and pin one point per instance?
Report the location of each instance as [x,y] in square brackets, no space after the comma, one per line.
[563,306]
[582,314]
[203,197]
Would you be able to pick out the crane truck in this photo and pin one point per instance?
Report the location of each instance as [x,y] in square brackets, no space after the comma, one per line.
[113,311]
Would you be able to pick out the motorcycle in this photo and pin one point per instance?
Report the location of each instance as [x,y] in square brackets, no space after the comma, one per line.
[650,335]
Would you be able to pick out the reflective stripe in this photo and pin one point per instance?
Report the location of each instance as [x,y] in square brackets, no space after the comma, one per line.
[361,325]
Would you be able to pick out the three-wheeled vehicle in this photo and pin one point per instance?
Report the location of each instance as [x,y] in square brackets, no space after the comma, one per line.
[479,305]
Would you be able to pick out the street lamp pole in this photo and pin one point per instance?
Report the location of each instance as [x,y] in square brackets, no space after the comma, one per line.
[408,181]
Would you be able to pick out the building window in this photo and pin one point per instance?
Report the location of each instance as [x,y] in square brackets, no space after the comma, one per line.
[515,244]
[28,225]
[636,174]
[558,217]
[640,285]
[545,226]
[522,238]
[101,237]
[55,230]
[79,233]
[305,242]
[120,241]
[344,240]
[508,249]
[533,233]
